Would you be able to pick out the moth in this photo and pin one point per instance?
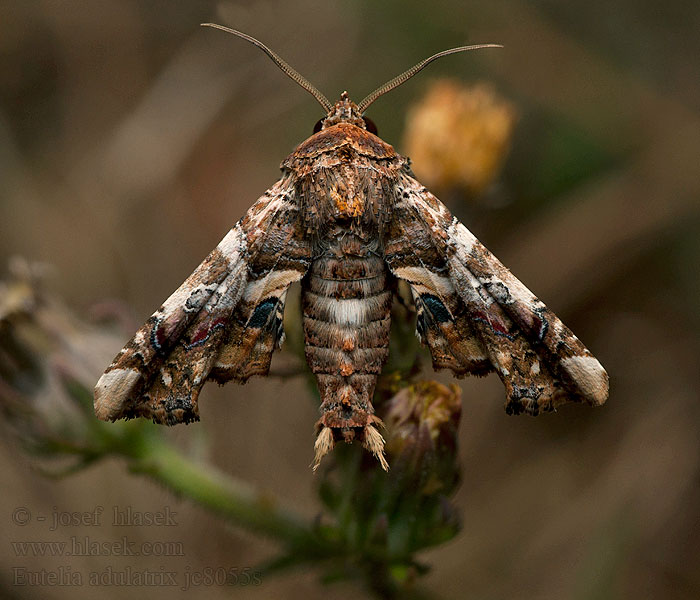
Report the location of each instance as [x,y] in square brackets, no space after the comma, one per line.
[348,219]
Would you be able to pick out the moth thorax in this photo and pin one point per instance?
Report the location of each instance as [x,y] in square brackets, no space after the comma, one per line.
[346,201]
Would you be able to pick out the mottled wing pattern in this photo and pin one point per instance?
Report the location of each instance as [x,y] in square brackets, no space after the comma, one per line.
[476,316]
[415,249]
[281,255]
[223,322]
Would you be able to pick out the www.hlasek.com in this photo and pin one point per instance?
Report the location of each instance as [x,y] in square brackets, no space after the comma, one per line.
[87,546]
[130,577]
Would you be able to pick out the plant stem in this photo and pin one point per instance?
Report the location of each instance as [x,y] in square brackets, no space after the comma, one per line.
[235,500]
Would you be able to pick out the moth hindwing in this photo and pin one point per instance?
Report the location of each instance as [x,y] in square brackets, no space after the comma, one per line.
[347,218]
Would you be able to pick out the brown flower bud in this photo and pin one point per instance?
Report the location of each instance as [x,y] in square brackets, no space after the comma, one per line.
[422,423]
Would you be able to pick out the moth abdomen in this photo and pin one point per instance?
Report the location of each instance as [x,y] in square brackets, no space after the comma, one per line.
[346,319]
[346,303]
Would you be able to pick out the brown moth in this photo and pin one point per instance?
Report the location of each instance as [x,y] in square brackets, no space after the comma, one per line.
[347,219]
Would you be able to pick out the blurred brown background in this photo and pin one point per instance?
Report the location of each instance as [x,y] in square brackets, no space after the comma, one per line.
[131,139]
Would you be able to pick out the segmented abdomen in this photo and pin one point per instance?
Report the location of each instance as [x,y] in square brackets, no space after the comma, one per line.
[346,303]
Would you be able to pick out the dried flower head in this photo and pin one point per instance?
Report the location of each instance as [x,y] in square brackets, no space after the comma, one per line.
[458,136]
[48,359]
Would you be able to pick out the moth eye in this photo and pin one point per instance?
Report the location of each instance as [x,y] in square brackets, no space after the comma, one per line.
[369,124]
[318,125]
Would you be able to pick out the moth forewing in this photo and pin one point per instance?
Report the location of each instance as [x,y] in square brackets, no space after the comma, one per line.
[581,374]
[455,279]
[234,292]
[120,391]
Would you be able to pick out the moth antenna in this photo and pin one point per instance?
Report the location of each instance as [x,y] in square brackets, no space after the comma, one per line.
[406,75]
[286,68]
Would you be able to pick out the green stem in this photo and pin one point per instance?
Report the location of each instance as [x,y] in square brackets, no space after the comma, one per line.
[214,490]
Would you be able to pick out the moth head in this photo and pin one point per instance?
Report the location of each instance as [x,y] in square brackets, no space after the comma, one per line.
[345,110]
